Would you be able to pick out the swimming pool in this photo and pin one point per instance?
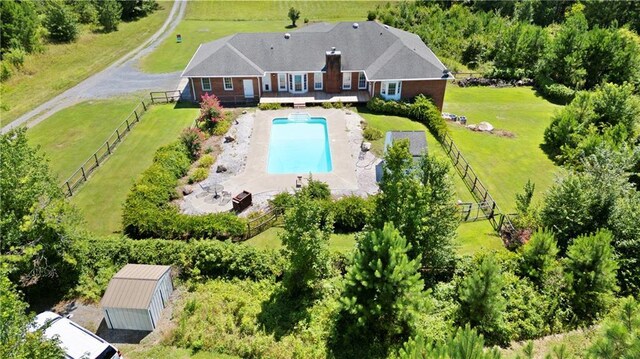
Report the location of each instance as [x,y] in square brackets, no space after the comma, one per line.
[299,144]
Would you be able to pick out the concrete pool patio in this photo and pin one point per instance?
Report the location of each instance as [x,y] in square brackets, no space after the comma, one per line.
[246,160]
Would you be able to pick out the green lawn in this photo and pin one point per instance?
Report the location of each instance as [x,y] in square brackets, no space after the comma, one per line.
[101,198]
[70,136]
[270,239]
[504,164]
[61,66]
[209,20]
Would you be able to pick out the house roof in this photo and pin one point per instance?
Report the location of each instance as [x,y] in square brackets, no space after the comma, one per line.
[382,52]
[417,140]
[133,286]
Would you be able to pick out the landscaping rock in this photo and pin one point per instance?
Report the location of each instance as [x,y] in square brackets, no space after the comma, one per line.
[366,146]
[485,126]
[228,139]
[221,168]
[186,190]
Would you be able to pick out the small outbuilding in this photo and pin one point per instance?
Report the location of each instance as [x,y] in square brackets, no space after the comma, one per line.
[136,296]
[417,146]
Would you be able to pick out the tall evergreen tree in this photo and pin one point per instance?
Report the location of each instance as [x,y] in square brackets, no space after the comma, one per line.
[465,343]
[539,257]
[383,289]
[620,333]
[481,301]
[591,273]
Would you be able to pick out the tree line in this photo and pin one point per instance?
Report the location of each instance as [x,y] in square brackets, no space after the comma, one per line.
[27,25]
[566,46]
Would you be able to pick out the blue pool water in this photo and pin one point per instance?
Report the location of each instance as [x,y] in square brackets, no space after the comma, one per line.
[299,144]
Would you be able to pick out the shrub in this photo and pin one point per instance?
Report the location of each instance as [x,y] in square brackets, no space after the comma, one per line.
[557,93]
[192,138]
[211,112]
[327,105]
[16,57]
[371,15]
[206,161]
[306,20]
[222,127]
[5,71]
[61,22]
[147,212]
[87,12]
[351,213]
[421,110]
[281,201]
[371,134]
[198,175]
[269,106]
[316,189]
[109,15]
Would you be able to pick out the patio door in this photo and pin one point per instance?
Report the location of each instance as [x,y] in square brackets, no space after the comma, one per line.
[297,83]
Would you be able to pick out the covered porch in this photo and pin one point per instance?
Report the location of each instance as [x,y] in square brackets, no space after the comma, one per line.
[315,97]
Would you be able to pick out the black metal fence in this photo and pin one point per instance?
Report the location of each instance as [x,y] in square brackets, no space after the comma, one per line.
[500,222]
[81,175]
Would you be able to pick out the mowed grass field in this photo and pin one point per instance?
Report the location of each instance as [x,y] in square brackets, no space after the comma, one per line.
[61,66]
[504,164]
[100,199]
[206,21]
[70,136]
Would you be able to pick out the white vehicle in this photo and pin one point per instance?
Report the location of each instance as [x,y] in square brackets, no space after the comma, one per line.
[76,341]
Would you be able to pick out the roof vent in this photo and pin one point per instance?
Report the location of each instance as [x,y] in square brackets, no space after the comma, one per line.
[333,49]
[386,26]
[287,35]
[355,25]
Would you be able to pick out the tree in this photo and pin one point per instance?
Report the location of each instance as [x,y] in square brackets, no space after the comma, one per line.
[307,228]
[465,343]
[382,290]
[16,341]
[61,22]
[620,333]
[109,14]
[20,25]
[294,15]
[481,302]
[623,223]
[591,273]
[37,224]
[539,257]
[133,9]
[211,112]
[418,200]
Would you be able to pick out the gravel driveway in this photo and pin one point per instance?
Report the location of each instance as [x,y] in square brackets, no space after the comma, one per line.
[121,77]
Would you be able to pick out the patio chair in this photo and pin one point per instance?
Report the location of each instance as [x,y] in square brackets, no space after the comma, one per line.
[226,197]
[205,190]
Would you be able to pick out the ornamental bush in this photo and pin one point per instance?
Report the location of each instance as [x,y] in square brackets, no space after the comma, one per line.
[148,213]
[371,134]
[351,213]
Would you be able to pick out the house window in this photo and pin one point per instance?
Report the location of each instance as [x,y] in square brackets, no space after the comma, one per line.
[282,82]
[317,81]
[206,84]
[346,81]
[228,84]
[390,90]
[362,81]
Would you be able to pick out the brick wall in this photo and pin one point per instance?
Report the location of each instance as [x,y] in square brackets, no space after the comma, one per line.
[431,88]
[217,88]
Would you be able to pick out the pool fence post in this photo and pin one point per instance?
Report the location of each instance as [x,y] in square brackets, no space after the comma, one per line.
[69,187]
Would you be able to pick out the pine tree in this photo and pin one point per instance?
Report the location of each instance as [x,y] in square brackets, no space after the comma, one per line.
[465,343]
[481,302]
[383,288]
[620,334]
[539,257]
[591,271]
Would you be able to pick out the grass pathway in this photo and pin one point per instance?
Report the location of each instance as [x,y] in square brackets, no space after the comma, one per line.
[101,198]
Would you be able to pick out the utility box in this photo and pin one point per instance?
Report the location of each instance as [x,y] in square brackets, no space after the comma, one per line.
[178,38]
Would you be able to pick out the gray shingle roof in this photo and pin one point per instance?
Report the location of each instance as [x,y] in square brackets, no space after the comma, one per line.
[382,52]
[417,140]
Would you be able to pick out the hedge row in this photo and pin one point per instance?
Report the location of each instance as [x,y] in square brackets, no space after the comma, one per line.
[148,213]
[200,258]
[421,110]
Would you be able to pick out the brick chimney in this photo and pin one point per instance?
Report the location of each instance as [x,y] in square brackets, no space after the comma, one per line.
[333,84]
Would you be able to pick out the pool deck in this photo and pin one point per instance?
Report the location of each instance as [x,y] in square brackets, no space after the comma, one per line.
[344,141]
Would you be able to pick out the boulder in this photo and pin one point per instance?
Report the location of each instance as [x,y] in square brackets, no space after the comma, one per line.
[485,126]
[221,168]
[228,139]
[186,190]
[366,146]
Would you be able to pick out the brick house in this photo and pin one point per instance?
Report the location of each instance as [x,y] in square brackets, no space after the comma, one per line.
[346,62]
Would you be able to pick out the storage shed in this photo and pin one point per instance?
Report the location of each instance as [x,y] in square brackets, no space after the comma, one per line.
[136,296]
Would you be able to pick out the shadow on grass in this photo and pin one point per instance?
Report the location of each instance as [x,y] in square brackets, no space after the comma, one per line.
[185,104]
[290,26]
[283,310]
